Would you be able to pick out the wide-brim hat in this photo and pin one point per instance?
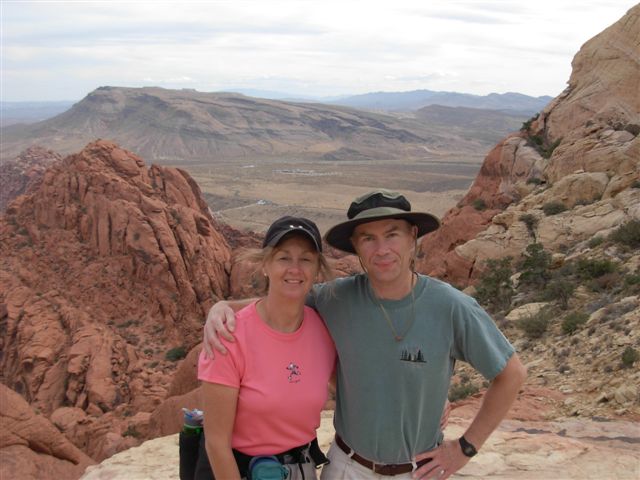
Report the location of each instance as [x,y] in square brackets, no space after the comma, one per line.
[377,205]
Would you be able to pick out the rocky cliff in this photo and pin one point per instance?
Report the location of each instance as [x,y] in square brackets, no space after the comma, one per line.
[107,269]
[583,150]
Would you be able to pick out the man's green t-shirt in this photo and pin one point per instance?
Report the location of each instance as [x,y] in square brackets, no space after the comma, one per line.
[390,393]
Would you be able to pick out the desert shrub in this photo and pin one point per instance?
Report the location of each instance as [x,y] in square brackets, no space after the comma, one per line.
[595,241]
[559,289]
[494,286]
[531,223]
[547,152]
[460,391]
[590,268]
[629,357]
[632,128]
[535,266]
[479,204]
[608,281]
[573,321]
[131,431]
[534,326]
[627,234]
[526,126]
[535,181]
[175,354]
[635,184]
[553,208]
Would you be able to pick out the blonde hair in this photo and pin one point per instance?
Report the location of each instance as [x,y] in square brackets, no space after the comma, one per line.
[260,256]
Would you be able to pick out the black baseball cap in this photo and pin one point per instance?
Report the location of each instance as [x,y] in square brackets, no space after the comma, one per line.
[288,224]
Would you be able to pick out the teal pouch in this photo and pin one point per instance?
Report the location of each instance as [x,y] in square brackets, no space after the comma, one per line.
[266,468]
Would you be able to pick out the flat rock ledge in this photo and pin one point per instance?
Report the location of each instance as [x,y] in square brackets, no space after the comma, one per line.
[565,449]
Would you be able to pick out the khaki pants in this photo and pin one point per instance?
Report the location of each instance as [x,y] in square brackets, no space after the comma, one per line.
[344,468]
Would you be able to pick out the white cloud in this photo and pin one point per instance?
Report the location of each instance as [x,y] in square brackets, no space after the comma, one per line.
[303,47]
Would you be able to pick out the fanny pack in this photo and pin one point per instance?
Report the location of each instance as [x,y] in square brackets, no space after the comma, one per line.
[270,467]
[266,468]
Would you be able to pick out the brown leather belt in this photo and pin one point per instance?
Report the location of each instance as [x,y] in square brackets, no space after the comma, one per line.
[388,469]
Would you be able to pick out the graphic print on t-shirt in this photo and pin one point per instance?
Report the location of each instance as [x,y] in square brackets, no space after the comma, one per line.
[412,354]
[294,372]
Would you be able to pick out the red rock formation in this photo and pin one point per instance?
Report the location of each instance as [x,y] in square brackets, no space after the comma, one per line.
[495,187]
[31,447]
[23,173]
[104,268]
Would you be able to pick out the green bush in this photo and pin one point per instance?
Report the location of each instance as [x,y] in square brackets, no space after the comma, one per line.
[460,391]
[494,286]
[553,208]
[559,289]
[627,234]
[535,266]
[590,268]
[534,326]
[629,357]
[131,431]
[531,222]
[595,241]
[176,354]
[479,204]
[573,321]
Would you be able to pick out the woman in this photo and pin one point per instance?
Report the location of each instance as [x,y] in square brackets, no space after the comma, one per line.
[265,396]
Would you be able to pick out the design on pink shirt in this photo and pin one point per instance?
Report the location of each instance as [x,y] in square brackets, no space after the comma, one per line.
[295,373]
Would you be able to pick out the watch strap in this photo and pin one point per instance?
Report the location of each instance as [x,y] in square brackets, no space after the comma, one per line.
[467,448]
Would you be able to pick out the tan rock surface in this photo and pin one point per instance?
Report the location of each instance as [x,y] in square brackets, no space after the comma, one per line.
[564,449]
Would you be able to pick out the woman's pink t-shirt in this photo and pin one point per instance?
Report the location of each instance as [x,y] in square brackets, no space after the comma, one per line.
[282,380]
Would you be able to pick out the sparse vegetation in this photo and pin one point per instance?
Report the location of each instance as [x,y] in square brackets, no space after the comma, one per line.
[573,322]
[175,354]
[526,126]
[494,287]
[479,204]
[535,181]
[131,431]
[590,268]
[629,357]
[635,184]
[531,222]
[559,289]
[535,326]
[595,241]
[627,234]
[535,266]
[462,390]
[553,208]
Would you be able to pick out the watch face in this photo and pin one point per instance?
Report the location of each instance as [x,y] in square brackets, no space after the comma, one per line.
[469,451]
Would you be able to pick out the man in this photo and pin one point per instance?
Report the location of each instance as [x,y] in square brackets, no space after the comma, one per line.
[398,335]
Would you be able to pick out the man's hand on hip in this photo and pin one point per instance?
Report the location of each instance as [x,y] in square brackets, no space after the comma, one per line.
[446,460]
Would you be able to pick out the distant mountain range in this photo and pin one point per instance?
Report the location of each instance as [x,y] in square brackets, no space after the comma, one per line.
[514,103]
[177,126]
[30,112]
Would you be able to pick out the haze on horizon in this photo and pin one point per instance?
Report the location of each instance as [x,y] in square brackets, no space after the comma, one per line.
[62,50]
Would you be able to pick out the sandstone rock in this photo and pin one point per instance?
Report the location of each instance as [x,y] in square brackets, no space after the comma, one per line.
[626,394]
[528,310]
[105,266]
[24,173]
[31,447]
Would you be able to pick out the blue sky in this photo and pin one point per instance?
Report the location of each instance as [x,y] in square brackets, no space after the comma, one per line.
[54,50]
